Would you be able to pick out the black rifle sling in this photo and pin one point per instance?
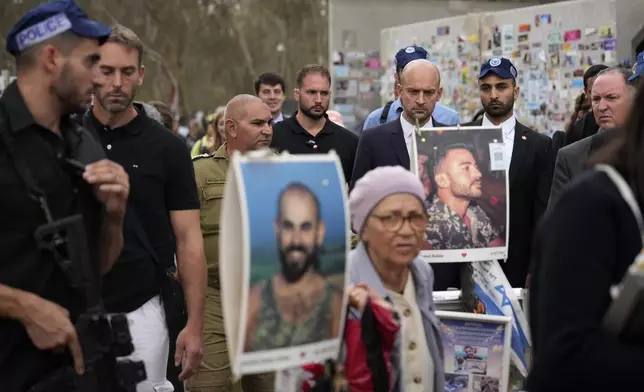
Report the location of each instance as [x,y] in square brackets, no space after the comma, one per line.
[385,112]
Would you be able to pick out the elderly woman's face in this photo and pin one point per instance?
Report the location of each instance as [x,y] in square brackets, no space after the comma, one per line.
[395,230]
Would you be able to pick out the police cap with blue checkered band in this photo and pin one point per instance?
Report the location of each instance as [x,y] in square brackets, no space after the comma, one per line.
[499,66]
[51,19]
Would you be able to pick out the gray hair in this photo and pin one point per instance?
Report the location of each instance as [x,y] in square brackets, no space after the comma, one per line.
[625,73]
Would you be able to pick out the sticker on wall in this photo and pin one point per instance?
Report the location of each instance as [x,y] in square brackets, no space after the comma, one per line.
[572,35]
[578,73]
[610,44]
[606,31]
[577,83]
[553,48]
[597,45]
[554,38]
[442,31]
[542,19]
[567,47]
[554,59]
[589,31]
[524,28]
[523,38]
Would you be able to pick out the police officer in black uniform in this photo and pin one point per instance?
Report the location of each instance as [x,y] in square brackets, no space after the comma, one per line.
[50,169]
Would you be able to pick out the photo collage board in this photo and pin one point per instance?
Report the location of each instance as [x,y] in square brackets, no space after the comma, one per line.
[452,44]
[356,80]
[550,45]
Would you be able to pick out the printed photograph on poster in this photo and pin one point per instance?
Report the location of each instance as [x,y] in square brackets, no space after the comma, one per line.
[297,246]
[455,382]
[464,172]
[477,347]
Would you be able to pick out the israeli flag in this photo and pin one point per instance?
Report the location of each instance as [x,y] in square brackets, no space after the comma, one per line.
[492,288]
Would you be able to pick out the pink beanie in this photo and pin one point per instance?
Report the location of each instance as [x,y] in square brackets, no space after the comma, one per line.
[376,185]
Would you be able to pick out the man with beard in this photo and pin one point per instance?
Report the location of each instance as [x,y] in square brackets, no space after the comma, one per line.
[309,130]
[390,144]
[51,169]
[530,160]
[247,121]
[297,305]
[162,220]
[455,220]
[270,88]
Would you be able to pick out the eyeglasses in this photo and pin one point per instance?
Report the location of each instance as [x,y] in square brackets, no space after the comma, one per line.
[395,222]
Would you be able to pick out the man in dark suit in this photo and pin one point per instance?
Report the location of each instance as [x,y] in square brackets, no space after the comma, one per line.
[389,144]
[528,155]
[612,95]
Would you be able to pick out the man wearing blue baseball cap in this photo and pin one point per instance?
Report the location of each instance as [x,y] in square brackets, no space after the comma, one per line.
[529,159]
[46,157]
[392,109]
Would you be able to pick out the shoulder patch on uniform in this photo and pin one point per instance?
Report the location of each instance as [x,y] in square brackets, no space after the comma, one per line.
[201,156]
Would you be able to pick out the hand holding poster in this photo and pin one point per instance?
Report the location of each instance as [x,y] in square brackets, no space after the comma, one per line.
[464,172]
[284,245]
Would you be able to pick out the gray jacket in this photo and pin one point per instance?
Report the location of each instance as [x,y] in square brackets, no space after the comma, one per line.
[573,160]
[361,270]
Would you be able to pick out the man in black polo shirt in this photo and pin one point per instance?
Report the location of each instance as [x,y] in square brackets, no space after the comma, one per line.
[162,218]
[56,48]
[309,130]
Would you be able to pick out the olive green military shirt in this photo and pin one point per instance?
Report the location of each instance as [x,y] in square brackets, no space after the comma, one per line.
[210,173]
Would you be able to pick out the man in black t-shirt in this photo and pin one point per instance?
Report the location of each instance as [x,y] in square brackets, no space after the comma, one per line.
[309,130]
[56,47]
[162,219]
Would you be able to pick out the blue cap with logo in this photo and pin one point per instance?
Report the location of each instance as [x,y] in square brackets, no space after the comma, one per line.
[409,54]
[51,19]
[638,70]
[500,66]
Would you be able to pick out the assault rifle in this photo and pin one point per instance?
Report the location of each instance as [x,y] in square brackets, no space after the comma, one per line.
[103,337]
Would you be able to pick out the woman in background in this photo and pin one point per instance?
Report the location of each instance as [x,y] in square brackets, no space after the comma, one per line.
[215,135]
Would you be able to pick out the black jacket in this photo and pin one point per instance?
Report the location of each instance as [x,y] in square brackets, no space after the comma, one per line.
[383,145]
[583,246]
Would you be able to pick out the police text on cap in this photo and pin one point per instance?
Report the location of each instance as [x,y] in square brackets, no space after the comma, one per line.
[42,31]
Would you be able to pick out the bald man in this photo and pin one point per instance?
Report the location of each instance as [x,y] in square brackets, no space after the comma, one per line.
[248,127]
[390,144]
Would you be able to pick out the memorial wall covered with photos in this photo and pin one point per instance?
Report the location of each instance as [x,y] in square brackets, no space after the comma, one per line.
[551,46]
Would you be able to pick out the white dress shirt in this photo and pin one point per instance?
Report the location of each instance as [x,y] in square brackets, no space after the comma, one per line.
[280,117]
[508,127]
[408,132]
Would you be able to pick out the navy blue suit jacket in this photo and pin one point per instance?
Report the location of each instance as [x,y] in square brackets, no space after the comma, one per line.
[383,145]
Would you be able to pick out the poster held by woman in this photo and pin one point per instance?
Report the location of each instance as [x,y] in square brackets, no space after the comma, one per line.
[284,236]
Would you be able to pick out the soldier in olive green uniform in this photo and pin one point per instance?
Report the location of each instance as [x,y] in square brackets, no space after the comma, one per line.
[248,128]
